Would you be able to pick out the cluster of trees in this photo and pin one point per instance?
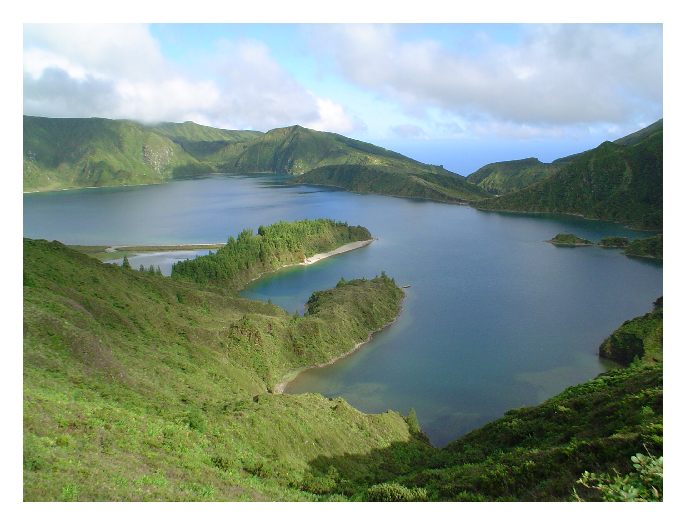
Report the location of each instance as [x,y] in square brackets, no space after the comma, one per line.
[152,270]
[275,245]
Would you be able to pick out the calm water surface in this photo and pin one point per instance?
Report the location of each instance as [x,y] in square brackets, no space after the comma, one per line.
[494,319]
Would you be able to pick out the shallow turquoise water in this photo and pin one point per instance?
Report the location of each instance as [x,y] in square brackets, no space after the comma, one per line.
[495,317]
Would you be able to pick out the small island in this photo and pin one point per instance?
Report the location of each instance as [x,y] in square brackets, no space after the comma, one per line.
[569,239]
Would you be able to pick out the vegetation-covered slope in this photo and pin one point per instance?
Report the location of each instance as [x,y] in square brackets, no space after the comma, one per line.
[140,387]
[536,453]
[619,181]
[508,176]
[387,181]
[274,246]
[650,248]
[296,150]
[638,338]
[74,153]
[203,141]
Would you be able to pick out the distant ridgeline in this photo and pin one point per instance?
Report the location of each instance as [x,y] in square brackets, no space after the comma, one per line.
[274,246]
[141,387]
[73,153]
[618,181]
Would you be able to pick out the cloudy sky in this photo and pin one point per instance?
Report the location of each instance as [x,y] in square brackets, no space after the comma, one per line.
[459,95]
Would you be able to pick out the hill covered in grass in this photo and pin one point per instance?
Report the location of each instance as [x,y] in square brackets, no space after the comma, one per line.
[73,153]
[77,153]
[512,175]
[387,181]
[141,387]
[617,181]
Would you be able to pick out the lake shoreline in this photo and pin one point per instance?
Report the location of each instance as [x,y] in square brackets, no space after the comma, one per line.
[316,258]
[291,376]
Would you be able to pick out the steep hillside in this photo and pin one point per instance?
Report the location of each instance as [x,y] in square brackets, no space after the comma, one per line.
[536,453]
[639,338]
[203,141]
[618,181]
[504,177]
[141,387]
[387,181]
[74,153]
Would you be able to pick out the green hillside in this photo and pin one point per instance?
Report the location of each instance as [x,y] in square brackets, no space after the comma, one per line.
[504,177]
[203,141]
[296,150]
[72,153]
[617,181]
[387,181]
[650,248]
[76,153]
[638,338]
[141,387]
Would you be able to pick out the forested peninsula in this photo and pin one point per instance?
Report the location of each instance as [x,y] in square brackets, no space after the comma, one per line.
[281,244]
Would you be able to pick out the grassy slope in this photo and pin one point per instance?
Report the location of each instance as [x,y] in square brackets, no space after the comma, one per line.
[142,387]
[513,175]
[72,153]
[203,141]
[619,181]
[640,337]
[296,150]
[387,181]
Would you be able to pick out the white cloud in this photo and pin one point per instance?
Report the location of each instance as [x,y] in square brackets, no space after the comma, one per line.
[118,71]
[555,75]
[332,117]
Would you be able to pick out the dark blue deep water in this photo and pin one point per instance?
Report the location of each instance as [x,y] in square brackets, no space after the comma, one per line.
[495,318]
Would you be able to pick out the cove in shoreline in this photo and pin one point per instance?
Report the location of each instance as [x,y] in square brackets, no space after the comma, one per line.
[280,387]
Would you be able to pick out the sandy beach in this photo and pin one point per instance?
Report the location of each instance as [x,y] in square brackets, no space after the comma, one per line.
[341,249]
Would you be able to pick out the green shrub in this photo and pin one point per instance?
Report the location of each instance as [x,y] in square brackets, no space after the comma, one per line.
[645,484]
[396,492]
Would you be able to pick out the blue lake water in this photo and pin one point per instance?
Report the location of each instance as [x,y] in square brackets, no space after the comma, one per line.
[495,318]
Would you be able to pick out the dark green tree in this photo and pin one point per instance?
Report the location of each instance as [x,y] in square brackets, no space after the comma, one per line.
[125,263]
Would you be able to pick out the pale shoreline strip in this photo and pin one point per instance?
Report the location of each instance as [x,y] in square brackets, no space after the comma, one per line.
[341,249]
[316,258]
[280,387]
